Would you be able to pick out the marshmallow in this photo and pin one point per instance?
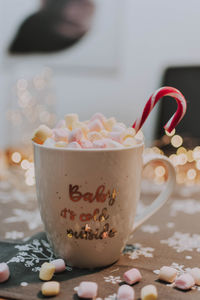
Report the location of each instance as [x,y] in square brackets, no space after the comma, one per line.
[167,274]
[61,134]
[70,119]
[61,124]
[85,144]
[125,292]
[149,292]
[82,126]
[94,135]
[4,272]
[59,265]
[117,136]
[119,127]
[132,276]
[87,289]
[49,142]
[104,133]
[95,125]
[41,134]
[75,135]
[195,272]
[129,132]
[61,144]
[47,271]
[109,123]
[98,116]
[112,144]
[128,142]
[51,288]
[74,145]
[185,282]
[99,144]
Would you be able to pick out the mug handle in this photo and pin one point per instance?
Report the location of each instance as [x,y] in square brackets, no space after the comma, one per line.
[163,196]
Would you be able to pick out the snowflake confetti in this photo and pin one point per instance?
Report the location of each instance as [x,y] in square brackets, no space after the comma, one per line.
[183,242]
[189,206]
[150,228]
[113,279]
[33,254]
[136,250]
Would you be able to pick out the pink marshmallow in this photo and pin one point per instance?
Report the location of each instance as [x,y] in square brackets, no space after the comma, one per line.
[74,145]
[132,276]
[99,144]
[87,289]
[60,124]
[59,265]
[112,144]
[117,136]
[4,272]
[60,134]
[125,292]
[185,282]
[98,116]
[95,125]
[85,144]
[75,135]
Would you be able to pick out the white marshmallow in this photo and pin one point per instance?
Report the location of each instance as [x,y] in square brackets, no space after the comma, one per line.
[95,125]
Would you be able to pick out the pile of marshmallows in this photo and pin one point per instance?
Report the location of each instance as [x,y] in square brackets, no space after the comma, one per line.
[88,289]
[99,132]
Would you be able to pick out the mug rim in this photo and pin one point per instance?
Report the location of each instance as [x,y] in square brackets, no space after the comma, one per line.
[140,144]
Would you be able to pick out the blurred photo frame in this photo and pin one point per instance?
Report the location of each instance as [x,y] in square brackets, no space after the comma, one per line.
[96,51]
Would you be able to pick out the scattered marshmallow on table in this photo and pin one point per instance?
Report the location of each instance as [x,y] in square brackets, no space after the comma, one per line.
[41,134]
[59,265]
[195,272]
[132,276]
[47,271]
[50,288]
[149,292]
[167,274]
[87,289]
[185,282]
[125,292]
[4,272]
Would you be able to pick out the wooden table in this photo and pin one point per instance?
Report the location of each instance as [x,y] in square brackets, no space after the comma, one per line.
[170,237]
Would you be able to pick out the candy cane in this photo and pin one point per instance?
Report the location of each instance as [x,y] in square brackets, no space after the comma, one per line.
[177,116]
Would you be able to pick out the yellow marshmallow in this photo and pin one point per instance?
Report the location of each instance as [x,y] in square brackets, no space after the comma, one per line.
[61,144]
[51,288]
[47,271]
[41,134]
[70,120]
[129,141]
[82,126]
[109,123]
[149,292]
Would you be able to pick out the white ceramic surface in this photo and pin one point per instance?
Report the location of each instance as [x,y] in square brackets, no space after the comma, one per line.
[88,200]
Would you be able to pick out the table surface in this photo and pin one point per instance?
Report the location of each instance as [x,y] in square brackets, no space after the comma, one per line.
[171,237]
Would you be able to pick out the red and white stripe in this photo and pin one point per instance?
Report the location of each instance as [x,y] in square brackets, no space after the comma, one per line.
[160,93]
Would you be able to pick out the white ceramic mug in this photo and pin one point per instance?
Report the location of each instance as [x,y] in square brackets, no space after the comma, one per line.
[88,200]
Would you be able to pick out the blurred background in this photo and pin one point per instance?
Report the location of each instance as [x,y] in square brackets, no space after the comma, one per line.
[87,56]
